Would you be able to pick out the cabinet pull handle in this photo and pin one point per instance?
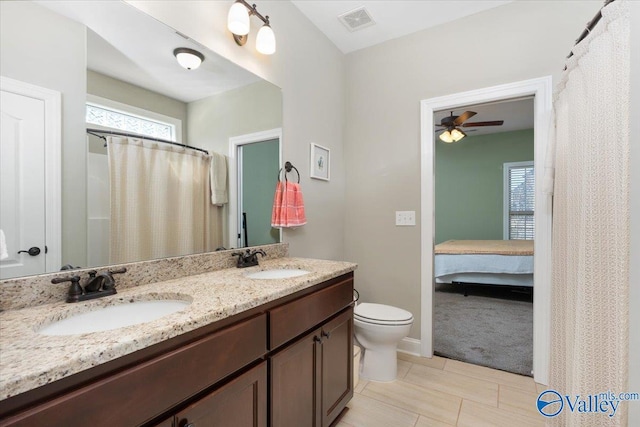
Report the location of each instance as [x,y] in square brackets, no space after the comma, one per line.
[327,335]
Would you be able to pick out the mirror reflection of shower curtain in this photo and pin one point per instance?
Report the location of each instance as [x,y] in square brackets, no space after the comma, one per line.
[160,201]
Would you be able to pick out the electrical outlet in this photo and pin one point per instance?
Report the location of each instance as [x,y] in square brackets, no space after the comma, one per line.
[405,218]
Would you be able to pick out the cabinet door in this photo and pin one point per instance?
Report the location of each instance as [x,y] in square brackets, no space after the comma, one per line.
[239,403]
[337,365]
[295,386]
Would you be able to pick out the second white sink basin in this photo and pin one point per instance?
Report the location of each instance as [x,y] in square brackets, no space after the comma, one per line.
[114,317]
[281,273]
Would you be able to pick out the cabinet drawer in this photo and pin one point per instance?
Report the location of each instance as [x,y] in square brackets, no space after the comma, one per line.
[292,319]
[137,394]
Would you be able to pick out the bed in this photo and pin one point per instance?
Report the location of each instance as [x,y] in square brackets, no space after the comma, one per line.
[490,262]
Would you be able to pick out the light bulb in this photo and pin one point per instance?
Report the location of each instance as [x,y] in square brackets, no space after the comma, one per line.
[266,40]
[457,134]
[446,137]
[238,19]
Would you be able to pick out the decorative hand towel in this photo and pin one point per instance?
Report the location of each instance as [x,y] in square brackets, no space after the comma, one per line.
[288,206]
[218,177]
[4,254]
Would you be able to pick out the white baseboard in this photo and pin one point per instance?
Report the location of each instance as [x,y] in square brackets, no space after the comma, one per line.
[409,345]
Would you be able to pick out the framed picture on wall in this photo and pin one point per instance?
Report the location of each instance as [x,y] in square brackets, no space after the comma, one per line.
[320,158]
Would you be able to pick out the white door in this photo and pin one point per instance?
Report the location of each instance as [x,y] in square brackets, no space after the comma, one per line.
[22,184]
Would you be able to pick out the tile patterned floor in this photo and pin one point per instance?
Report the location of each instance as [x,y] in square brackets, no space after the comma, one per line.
[442,392]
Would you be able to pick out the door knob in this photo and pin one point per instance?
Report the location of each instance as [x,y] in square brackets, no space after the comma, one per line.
[33,251]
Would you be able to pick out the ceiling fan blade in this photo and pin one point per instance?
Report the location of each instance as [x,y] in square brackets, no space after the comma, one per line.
[493,123]
[464,117]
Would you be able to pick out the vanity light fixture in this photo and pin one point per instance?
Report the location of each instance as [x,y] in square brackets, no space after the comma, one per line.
[238,23]
[188,58]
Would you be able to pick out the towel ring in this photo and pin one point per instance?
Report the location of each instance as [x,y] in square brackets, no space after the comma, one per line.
[287,168]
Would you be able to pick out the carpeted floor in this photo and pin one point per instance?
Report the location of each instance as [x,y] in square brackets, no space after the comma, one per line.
[491,327]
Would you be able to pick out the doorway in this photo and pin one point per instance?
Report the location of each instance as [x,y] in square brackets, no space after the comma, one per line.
[484,231]
[254,162]
[540,89]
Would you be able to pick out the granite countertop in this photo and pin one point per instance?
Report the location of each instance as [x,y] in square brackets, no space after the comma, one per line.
[29,359]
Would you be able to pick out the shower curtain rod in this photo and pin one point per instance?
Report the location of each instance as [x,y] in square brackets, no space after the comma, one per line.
[97,132]
[590,26]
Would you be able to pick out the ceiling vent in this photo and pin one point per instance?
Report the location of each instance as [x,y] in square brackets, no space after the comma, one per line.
[356,19]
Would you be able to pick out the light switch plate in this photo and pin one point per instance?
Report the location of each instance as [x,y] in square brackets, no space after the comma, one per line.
[405,218]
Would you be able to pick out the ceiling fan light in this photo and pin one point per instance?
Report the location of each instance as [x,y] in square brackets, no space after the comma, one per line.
[188,58]
[457,134]
[446,137]
[238,19]
[266,40]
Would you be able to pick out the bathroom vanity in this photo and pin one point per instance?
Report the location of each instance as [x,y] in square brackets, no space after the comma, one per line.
[246,352]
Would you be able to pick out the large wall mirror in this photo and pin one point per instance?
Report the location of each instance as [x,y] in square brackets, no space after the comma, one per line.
[112,63]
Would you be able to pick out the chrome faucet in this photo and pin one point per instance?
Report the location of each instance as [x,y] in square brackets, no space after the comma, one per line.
[248,258]
[95,286]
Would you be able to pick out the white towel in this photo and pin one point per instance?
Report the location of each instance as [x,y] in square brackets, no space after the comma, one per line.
[4,254]
[218,177]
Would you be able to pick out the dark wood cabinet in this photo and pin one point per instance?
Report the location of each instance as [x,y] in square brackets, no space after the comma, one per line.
[294,383]
[240,403]
[290,358]
[312,378]
[337,365]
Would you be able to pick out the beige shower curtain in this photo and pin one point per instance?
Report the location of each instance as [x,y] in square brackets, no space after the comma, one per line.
[590,291]
[160,201]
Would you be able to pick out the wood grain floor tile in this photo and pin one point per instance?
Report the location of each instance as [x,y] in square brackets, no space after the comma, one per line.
[361,385]
[414,398]
[367,412]
[430,422]
[434,362]
[541,387]
[475,414]
[453,383]
[403,368]
[518,400]
[493,375]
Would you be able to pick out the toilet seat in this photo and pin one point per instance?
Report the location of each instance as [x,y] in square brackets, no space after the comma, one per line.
[380,314]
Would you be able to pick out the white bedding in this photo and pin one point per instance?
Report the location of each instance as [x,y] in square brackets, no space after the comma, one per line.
[513,270]
[511,264]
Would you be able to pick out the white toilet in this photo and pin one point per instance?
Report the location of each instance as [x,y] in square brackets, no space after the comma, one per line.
[379,328]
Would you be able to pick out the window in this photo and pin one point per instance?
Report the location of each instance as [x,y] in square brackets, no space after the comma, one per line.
[109,114]
[519,200]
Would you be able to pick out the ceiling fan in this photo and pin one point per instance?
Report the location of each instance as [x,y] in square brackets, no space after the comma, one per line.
[452,124]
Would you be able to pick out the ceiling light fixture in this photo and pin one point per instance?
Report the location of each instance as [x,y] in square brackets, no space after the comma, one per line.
[239,24]
[188,58]
[451,135]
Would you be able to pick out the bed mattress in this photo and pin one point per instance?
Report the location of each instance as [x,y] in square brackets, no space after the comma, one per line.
[500,262]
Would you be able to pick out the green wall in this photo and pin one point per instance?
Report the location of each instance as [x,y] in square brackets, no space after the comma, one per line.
[259,176]
[469,183]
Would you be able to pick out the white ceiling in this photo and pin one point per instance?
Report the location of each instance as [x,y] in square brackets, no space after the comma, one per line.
[517,115]
[129,45]
[394,18]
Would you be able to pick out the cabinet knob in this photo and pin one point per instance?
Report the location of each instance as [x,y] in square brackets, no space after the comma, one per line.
[190,425]
[327,335]
[317,339]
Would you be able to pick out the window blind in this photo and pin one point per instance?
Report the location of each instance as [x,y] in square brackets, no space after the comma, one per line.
[521,202]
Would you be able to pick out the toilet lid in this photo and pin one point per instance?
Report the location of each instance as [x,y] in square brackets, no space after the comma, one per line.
[380,313]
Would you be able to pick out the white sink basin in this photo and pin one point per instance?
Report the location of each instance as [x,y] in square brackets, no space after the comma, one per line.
[282,273]
[114,317]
